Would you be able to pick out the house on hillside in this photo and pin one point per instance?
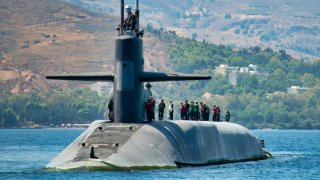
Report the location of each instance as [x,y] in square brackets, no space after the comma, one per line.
[224,69]
[297,90]
[254,69]
[235,73]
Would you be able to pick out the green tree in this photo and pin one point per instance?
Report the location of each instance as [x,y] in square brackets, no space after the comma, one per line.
[308,80]
[9,119]
[219,85]
[249,82]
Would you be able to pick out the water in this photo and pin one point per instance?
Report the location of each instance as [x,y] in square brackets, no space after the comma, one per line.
[25,152]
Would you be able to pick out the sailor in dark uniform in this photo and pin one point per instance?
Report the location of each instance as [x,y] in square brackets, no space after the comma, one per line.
[130,21]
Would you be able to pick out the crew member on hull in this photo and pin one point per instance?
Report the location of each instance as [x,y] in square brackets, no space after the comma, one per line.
[227,116]
[214,115]
[171,111]
[187,106]
[161,108]
[110,108]
[149,107]
[196,112]
[218,114]
[182,111]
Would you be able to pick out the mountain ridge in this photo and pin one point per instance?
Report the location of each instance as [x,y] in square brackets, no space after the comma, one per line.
[290,25]
[43,37]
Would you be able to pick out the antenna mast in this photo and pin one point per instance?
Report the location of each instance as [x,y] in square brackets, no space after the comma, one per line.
[121,15]
[137,14]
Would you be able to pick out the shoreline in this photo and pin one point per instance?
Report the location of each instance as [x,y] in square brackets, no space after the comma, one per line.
[46,127]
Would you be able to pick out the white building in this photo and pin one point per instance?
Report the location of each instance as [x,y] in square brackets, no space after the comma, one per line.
[254,69]
[234,73]
[225,69]
[297,90]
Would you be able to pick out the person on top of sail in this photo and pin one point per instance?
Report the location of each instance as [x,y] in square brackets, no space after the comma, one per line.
[130,21]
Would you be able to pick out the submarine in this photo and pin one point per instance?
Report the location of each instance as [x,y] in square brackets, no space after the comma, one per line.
[129,143]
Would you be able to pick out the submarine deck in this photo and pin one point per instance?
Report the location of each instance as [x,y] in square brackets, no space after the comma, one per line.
[105,139]
[158,144]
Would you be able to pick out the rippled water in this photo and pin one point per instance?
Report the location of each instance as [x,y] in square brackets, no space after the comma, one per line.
[296,155]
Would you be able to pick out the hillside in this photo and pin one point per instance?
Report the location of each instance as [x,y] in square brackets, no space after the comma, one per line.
[48,36]
[42,37]
[291,25]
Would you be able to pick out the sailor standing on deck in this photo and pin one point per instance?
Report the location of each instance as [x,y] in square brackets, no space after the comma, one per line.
[202,115]
[206,112]
[171,111]
[191,111]
[182,111]
[214,115]
[146,95]
[196,111]
[110,108]
[218,114]
[149,110]
[161,108]
[153,103]
[227,116]
[187,115]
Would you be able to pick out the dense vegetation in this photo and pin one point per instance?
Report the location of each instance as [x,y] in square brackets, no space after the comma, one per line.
[252,101]
[34,109]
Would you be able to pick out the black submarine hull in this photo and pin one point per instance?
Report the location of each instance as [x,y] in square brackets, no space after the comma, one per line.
[160,144]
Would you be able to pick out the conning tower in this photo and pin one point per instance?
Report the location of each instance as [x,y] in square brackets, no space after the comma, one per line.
[129,74]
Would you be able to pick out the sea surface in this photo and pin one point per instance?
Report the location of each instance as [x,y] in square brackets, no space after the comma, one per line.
[25,152]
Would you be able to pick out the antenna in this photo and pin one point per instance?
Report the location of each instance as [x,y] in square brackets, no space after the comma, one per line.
[137,15]
[122,15]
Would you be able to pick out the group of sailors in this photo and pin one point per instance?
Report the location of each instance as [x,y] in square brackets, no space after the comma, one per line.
[193,111]
[149,106]
[188,111]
